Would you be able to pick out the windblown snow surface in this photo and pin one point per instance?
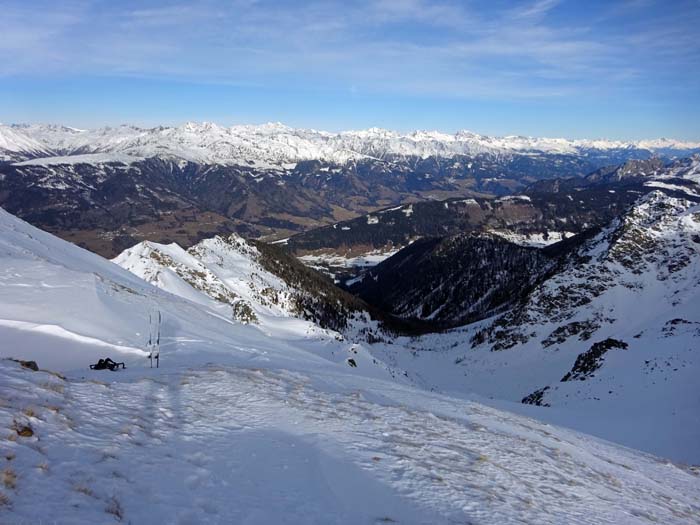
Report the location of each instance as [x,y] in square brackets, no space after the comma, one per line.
[248,424]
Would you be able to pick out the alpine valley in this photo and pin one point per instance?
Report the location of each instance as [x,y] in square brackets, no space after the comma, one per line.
[110,188]
[354,327]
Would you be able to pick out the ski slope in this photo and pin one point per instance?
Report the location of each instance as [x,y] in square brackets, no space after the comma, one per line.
[66,307]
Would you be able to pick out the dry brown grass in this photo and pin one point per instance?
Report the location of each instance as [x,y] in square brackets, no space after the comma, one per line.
[22,430]
[83,489]
[54,387]
[115,508]
[4,500]
[9,478]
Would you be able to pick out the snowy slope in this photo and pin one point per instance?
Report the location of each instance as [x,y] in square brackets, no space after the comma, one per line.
[265,426]
[621,320]
[15,144]
[259,446]
[688,169]
[274,144]
[217,270]
[229,273]
[54,295]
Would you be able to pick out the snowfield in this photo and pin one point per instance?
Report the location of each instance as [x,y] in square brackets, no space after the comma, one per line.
[231,444]
[323,261]
[265,423]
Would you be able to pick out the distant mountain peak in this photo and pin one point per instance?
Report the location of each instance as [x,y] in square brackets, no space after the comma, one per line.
[276,143]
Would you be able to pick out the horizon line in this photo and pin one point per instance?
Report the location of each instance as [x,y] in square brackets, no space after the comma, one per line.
[695,142]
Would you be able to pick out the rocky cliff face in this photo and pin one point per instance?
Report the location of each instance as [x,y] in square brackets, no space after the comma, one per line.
[653,248]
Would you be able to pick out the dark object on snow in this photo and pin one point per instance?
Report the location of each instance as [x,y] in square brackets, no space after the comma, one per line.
[107,363]
[24,431]
[352,363]
[31,365]
[154,338]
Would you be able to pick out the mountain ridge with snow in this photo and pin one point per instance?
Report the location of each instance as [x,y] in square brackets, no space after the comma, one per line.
[277,144]
[248,282]
[610,335]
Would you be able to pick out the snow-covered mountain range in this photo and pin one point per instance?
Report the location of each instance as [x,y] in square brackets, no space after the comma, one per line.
[109,188]
[272,377]
[278,145]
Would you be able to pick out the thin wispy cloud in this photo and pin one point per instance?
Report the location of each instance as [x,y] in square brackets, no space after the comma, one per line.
[535,9]
[478,50]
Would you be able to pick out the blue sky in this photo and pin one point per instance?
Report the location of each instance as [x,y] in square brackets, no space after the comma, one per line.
[574,68]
